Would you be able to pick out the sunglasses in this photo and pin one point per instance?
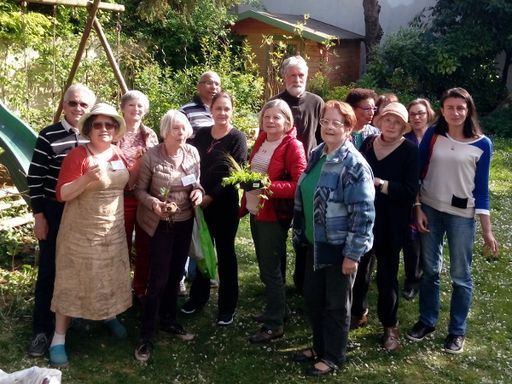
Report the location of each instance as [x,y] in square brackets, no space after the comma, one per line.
[74,104]
[99,125]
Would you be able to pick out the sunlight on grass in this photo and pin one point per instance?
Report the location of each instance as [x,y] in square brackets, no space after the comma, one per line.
[224,356]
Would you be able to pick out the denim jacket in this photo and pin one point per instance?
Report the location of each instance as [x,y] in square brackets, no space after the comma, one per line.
[343,209]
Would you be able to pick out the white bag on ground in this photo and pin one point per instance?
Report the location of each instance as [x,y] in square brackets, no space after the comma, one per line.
[34,375]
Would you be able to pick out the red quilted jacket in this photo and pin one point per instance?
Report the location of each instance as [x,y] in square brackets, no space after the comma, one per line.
[289,156]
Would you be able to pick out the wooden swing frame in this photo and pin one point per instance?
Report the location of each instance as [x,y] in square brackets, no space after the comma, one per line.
[92,21]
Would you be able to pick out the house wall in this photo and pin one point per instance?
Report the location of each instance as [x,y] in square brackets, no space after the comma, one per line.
[347,14]
[340,64]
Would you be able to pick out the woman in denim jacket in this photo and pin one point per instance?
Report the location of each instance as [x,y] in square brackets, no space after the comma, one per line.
[334,216]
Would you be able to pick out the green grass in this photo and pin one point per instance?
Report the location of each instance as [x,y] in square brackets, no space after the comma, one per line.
[223,355]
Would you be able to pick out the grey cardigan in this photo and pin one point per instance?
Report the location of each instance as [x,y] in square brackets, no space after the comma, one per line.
[156,172]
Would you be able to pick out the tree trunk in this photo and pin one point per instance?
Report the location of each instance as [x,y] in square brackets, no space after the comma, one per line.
[506,65]
[373,29]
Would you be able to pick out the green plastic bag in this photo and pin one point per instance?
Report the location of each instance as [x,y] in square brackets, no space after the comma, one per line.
[201,246]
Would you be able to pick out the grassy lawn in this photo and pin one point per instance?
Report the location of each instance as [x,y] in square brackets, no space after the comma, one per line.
[223,355]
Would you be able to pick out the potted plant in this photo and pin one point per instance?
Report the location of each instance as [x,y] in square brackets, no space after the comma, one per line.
[170,206]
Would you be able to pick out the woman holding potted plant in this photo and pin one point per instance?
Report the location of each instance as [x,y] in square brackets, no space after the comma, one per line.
[278,154]
[168,189]
[220,204]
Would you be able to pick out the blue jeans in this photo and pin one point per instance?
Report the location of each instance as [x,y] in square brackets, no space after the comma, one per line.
[460,232]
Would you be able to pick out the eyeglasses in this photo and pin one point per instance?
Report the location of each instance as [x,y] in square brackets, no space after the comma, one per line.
[368,109]
[334,123]
[99,125]
[74,104]
[414,114]
[210,83]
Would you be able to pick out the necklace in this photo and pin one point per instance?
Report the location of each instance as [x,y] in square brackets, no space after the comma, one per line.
[212,145]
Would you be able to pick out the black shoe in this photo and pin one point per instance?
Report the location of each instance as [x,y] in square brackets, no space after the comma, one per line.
[304,356]
[454,344]
[419,331]
[178,330]
[314,371]
[409,293]
[189,308]
[225,319]
[259,318]
[38,345]
[143,351]
[264,335]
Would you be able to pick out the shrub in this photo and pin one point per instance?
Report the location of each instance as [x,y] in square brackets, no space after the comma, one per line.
[498,123]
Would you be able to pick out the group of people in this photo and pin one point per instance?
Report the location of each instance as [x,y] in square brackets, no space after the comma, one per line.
[358,184]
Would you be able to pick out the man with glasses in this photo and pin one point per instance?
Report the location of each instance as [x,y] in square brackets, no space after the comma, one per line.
[52,145]
[198,109]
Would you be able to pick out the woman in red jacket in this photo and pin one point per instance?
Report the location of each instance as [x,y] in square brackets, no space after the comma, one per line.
[278,154]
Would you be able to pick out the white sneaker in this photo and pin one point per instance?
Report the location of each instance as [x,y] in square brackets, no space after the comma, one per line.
[183,288]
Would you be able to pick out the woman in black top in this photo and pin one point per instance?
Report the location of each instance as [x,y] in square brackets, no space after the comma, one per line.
[220,205]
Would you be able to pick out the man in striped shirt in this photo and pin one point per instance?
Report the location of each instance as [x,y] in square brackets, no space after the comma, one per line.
[52,145]
[198,109]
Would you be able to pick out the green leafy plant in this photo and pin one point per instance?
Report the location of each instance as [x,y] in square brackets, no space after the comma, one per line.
[242,174]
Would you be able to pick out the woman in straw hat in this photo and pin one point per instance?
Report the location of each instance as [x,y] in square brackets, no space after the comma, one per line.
[92,267]
[394,161]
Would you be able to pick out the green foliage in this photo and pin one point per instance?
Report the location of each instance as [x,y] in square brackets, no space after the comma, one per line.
[242,174]
[176,29]
[34,69]
[16,27]
[16,290]
[498,123]
[171,89]
[456,46]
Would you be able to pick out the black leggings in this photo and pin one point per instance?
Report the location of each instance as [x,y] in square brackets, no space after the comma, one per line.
[222,218]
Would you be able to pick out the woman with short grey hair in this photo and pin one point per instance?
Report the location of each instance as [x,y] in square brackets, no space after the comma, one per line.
[168,190]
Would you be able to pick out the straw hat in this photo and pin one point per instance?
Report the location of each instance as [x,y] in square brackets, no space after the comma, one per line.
[105,110]
[396,109]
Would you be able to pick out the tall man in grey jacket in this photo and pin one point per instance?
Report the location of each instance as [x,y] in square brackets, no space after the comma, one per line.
[306,109]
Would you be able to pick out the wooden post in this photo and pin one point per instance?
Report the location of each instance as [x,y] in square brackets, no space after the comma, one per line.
[80,3]
[110,56]
[81,47]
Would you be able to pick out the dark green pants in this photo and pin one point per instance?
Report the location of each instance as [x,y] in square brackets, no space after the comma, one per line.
[270,245]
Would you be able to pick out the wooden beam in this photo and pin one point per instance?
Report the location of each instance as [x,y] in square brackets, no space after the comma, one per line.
[81,47]
[110,56]
[81,3]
